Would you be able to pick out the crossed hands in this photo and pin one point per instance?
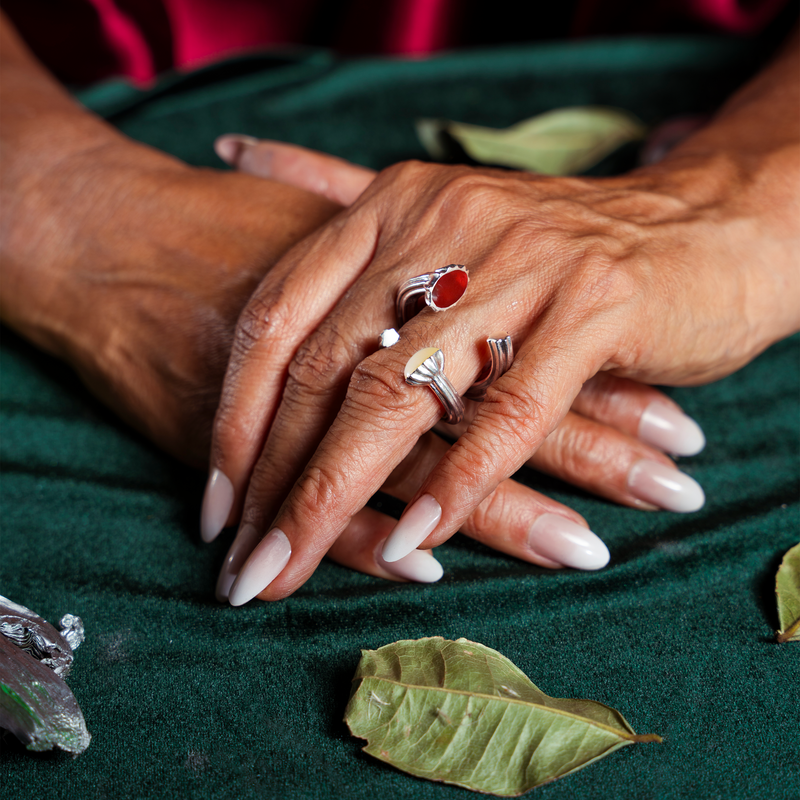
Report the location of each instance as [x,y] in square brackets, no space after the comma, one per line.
[156,281]
[314,418]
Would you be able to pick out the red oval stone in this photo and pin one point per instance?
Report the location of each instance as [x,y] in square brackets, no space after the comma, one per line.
[450,288]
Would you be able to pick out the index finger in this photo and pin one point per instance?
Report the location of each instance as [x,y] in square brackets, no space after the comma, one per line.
[378,424]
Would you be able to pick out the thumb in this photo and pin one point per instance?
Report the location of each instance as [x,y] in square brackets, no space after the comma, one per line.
[334,178]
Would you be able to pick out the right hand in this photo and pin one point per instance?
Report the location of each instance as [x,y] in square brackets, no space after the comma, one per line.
[594,447]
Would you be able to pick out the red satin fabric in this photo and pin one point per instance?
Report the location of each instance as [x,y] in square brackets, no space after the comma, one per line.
[85,40]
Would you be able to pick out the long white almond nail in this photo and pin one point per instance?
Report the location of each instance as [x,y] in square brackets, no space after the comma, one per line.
[242,546]
[229,146]
[665,487]
[266,562]
[565,542]
[413,528]
[217,504]
[418,565]
[670,430]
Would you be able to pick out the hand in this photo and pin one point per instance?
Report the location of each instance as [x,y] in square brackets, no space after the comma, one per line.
[619,402]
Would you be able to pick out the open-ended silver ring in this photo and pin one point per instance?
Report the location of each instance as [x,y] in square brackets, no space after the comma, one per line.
[439,290]
[501,356]
[426,368]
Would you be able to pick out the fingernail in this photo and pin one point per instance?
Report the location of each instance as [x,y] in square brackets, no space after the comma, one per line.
[217,504]
[229,146]
[418,565]
[670,430]
[665,487]
[264,565]
[565,542]
[412,529]
[243,545]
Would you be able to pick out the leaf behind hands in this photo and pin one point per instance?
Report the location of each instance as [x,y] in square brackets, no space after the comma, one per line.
[459,712]
[566,141]
[787,590]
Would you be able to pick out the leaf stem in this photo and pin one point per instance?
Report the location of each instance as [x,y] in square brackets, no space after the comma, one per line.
[789,633]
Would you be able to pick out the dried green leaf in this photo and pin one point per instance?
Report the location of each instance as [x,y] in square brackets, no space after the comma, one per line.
[461,713]
[787,590]
[566,141]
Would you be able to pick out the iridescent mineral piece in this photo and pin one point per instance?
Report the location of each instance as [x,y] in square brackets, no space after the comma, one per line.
[35,703]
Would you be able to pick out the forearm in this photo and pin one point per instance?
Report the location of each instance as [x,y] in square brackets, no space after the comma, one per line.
[81,202]
[40,120]
[44,137]
[741,174]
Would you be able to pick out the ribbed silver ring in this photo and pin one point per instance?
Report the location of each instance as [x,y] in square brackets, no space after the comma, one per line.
[501,356]
[426,368]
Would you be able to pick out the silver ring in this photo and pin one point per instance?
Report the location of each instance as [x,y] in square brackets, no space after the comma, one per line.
[426,368]
[439,290]
[501,356]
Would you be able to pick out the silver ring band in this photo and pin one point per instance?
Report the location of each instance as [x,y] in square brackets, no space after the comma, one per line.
[501,356]
[426,368]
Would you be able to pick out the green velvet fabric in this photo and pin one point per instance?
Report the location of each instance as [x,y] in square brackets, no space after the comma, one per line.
[187,698]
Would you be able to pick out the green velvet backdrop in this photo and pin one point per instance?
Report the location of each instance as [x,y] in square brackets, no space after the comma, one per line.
[187,698]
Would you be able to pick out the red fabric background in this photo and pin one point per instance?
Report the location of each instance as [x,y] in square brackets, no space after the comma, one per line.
[85,40]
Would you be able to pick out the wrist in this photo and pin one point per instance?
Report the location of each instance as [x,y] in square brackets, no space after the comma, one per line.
[738,211]
[53,198]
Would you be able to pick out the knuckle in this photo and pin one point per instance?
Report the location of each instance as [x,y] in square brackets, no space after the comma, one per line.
[324,360]
[374,386]
[473,197]
[491,514]
[318,488]
[569,449]
[515,411]
[403,171]
[232,433]
[260,322]
[317,497]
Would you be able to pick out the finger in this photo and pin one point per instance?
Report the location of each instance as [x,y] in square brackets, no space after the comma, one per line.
[331,177]
[359,548]
[642,411]
[521,409]
[605,461]
[360,544]
[611,464]
[377,426]
[284,310]
[374,430]
[515,520]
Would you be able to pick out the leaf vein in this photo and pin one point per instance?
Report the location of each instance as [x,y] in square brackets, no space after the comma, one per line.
[510,701]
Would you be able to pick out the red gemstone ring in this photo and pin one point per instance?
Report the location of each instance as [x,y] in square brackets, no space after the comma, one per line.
[439,290]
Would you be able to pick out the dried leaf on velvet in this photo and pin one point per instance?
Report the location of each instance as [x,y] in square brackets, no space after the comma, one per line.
[566,141]
[787,590]
[460,712]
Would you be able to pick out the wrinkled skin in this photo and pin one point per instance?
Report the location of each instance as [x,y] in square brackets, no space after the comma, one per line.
[134,267]
[679,273]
